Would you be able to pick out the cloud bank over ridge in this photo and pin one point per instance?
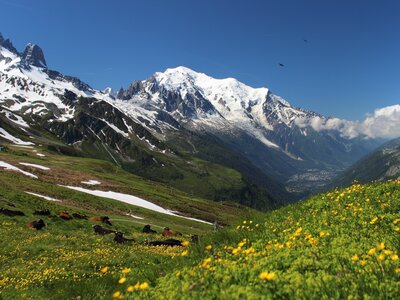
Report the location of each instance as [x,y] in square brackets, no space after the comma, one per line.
[382,123]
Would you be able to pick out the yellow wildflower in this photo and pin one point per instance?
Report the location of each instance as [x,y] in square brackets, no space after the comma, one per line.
[184,253]
[116,294]
[130,288]
[104,270]
[373,221]
[372,251]
[122,280]
[394,257]
[323,233]
[126,271]
[380,246]
[381,257]
[143,286]
[363,263]
[208,247]
[185,243]
[269,276]
[354,257]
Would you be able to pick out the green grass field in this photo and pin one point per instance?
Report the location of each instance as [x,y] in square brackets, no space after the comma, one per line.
[63,261]
[342,244]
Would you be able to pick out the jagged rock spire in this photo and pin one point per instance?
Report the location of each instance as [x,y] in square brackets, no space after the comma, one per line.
[33,55]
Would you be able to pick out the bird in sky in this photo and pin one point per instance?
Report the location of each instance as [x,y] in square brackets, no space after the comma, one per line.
[281,65]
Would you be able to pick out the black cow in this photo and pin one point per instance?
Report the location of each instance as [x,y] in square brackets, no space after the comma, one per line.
[101,230]
[11,213]
[147,229]
[38,225]
[44,212]
[119,238]
[79,216]
[168,242]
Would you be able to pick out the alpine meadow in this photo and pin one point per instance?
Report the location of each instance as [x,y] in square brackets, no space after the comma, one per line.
[199,150]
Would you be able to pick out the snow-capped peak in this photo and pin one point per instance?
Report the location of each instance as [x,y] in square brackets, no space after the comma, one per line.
[251,109]
[227,90]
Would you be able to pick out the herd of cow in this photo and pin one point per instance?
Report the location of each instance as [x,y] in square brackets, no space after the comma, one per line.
[118,236]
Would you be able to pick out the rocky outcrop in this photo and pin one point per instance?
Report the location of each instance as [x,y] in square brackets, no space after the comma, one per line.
[6,43]
[33,56]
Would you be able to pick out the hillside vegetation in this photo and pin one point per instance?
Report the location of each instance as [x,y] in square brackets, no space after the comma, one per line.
[64,260]
[342,244]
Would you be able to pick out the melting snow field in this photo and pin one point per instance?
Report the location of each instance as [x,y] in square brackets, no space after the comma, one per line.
[91,182]
[4,134]
[131,200]
[44,197]
[34,166]
[11,167]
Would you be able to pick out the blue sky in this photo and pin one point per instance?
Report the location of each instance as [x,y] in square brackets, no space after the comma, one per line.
[349,66]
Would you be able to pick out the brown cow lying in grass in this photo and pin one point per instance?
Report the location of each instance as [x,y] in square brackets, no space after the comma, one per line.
[11,213]
[103,219]
[168,232]
[65,215]
[37,224]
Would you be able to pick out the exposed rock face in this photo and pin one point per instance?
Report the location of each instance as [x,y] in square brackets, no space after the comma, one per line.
[33,56]
[6,43]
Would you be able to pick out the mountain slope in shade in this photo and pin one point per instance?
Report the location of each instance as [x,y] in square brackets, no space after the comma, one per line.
[382,164]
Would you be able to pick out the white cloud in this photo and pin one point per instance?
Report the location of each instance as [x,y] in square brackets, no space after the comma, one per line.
[383,123]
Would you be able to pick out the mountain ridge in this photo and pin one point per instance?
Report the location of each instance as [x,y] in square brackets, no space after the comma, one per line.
[172,114]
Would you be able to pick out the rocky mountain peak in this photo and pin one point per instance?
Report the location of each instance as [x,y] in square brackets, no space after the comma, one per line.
[6,43]
[33,55]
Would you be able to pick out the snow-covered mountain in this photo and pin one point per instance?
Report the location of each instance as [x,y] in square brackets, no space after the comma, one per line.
[226,106]
[174,114]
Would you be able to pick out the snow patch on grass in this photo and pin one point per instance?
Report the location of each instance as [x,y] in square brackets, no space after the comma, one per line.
[7,166]
[44,197]
[131,200]
[34,166]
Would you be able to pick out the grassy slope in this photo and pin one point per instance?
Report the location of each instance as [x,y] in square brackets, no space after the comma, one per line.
[67,170]
[63,260]
[343,244]
[327,247]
